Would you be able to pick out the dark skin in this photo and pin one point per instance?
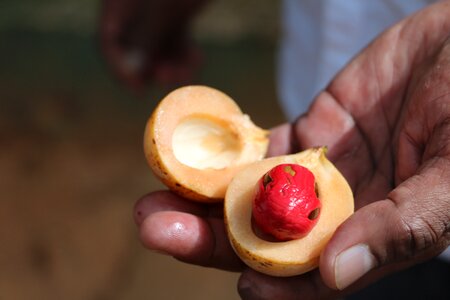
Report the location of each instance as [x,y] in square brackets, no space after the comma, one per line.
[386,120]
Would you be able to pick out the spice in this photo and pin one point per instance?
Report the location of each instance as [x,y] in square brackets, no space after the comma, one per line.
[286,205]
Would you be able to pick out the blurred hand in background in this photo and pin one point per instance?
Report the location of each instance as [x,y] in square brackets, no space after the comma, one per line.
[148,41]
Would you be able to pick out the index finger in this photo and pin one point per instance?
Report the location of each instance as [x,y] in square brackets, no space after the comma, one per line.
[191,232]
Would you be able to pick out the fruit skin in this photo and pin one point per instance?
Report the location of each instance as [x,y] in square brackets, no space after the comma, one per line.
[286,205]
[206,185]
[293,257]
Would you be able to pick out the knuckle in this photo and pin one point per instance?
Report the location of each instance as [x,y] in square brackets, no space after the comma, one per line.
[420,223]
[399,240]
[415,237]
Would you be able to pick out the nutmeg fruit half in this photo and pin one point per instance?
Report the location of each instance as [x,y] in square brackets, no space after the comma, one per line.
[197,139]
[297,256]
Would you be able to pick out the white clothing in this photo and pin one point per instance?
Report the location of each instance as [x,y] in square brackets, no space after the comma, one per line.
[321,36]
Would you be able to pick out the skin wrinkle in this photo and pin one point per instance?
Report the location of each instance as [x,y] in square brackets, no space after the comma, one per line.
[407,243]
[412,134]
[437,106]
[407,131]
[439,129]
[411,89]
[423,236]
[401,243]
[387,149]
[419,151]
[432,232]
[440,149]
[376,100]
[370,141]
[364,140]
[442,217]
[390,147]
[357,126]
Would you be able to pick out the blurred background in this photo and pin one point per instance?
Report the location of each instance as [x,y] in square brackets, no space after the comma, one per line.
[71,160]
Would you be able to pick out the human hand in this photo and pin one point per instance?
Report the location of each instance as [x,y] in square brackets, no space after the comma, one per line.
[148,41]
[385,118]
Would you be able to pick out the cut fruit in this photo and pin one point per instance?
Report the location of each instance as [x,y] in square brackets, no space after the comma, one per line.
[296,256]
[197,139]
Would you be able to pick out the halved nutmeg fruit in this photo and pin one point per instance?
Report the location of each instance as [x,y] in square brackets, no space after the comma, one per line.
[197,139]
[296,256]
[201,145]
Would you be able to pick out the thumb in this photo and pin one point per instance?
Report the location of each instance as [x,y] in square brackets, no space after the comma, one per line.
[410,226]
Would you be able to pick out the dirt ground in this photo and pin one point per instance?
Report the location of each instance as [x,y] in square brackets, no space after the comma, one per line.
[71,168]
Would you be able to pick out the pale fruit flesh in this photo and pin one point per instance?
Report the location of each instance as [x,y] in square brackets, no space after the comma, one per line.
[296,256]
[197,139]
[201,143]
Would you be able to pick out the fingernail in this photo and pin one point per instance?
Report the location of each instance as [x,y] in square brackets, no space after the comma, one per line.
[352,264]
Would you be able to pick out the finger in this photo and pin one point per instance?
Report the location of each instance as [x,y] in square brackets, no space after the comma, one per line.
[165,201]
[178,234]
[190,232]
[190,239]
[409,227]
[282,140]
[254,285]
[329,124]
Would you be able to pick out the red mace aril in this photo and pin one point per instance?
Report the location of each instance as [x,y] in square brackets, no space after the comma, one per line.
[286,204]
